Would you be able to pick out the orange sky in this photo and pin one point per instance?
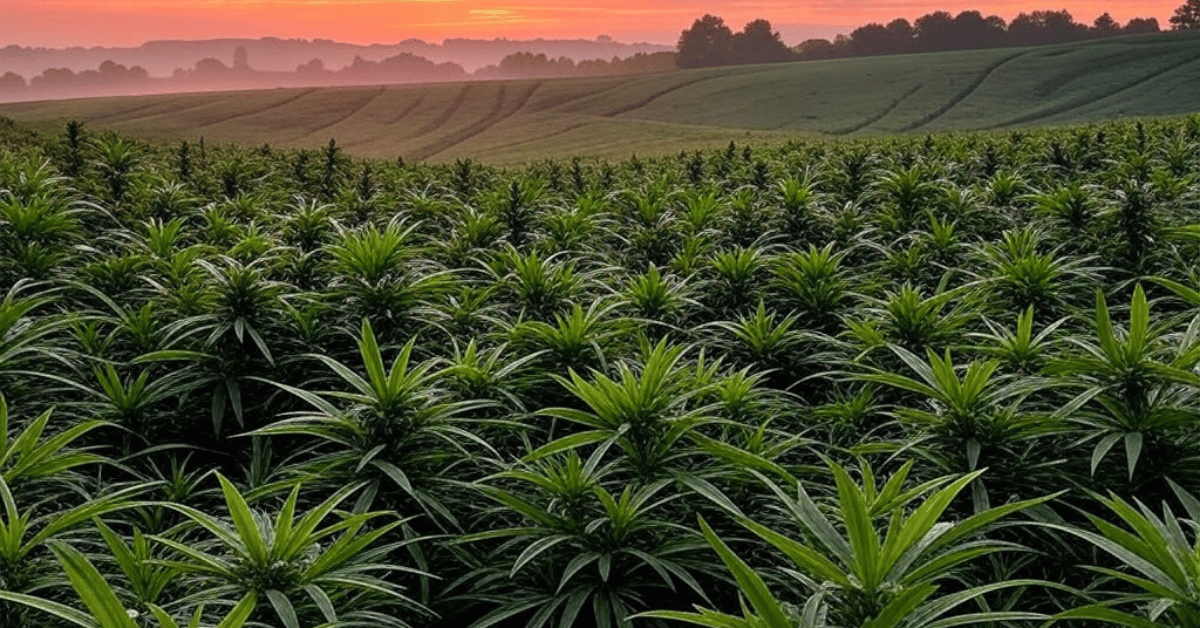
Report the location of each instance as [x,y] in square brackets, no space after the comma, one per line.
[61,23]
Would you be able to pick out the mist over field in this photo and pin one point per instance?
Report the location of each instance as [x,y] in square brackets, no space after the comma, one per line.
[159,67]
[161,58]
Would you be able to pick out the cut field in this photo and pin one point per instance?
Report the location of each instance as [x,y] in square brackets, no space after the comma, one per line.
[519,121]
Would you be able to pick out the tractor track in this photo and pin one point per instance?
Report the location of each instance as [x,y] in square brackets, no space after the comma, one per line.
[558,102]
[1053,111]
[357,108]
[634,106]
[445,116]
[409,109]
[966,93]
[282,103]
[881,115]
[119,114]
[151,116]
[494,117]
[542,137]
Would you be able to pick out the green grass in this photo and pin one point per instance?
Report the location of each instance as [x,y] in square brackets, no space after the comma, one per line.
[520,121]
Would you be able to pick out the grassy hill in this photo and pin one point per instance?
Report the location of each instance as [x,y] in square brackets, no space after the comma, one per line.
[515,121]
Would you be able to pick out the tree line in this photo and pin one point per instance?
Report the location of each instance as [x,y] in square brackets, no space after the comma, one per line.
[710,42]
[108,73]
[941,31]
[528,65]
[214,73]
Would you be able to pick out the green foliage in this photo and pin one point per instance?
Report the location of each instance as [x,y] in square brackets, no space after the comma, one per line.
[862,573]
[291,389]
[1137,385]
[1159,559]
[299,567]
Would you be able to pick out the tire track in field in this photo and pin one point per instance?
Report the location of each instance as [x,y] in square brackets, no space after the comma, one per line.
[541,137]
[558,102]
[1053,111]
[494,117]
[659,94]
[357,108]
[445,116]
[282,103]
[409,109]
[126,112]
[966,93]
[634,106]
[881,115]
[141,119]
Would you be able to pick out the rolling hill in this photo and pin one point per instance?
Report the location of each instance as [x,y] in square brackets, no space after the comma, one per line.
[517,121]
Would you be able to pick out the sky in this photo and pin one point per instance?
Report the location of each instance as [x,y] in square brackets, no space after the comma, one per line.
[62,23]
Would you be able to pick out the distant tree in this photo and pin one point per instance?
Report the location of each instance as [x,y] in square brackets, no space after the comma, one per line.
[643,62]
[973,30]
[871,39]
[814,49]
[901,35]
[1139,25]
[316,66]
[935,31]
[112,72]
[520,64]
[638,63]
[998,24]
[11,82]
[708,43]
[1023,30]
[1187,16]
[53,77]
[405,61]
[758,43]
[1105,26]
[1045,27]
[403,66]
[241,59]
[210,66]
[1061,26]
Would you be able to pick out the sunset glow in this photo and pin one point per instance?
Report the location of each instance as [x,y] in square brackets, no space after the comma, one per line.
[61,23]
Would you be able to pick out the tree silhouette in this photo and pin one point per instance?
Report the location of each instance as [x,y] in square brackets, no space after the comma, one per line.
[11,82]
[1142,25]
[209,66]
[1187,16]
[708,43]
[241,59]
[1105,25]
[703,44]
[53,77]
[972,30]
[901,35]
[871,39]
[316,66]
[757,43]
[935,31]
[815,49]
[1044,27]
